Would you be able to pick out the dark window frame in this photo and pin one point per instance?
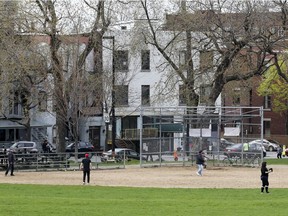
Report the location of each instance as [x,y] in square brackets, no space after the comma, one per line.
[206,60]
[182,95]
[236,99]
[145,95]
[145,60]
[183,59]
[205,91]
[42,102]
[121,60]
[121,95]
[267,102]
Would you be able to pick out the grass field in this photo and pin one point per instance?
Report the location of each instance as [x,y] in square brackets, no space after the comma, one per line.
[78,200]
[275,161]
[94,200]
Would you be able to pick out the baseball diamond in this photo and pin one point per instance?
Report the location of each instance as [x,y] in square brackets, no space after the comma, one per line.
[160,177]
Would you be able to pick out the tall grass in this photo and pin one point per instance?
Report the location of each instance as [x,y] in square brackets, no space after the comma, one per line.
[95,200]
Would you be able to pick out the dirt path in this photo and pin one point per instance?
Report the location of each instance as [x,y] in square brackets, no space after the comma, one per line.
[162,177]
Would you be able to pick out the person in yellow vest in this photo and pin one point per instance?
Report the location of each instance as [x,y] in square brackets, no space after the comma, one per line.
[283,152]
[245,149]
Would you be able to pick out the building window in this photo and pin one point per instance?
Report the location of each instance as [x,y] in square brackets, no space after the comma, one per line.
[206,60]
[121,95]
[267,127]
[182,95]
[121,60]
[42,101]
[267,102]
[204,94]
[15,107]
[236,96]
[183,59]
[145,60]
[145,95]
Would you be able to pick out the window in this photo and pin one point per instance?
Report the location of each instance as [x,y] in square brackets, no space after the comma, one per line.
[15,107]
[92,99]
[204,93]
[267,102]
[121,60]
[182,95]
[42,101]
[129,122]
[267,127]
[236,97]
[28,145]
[20,145]
[183,59]
[145,95]
[145,60]
[121,95]
[206,60]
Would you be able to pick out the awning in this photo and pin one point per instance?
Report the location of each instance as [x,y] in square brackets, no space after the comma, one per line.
[171,128]
[11,124]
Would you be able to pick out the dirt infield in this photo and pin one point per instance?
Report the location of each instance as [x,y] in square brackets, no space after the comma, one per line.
[162,177]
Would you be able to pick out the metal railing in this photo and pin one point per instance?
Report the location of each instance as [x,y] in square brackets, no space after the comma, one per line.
[58,161]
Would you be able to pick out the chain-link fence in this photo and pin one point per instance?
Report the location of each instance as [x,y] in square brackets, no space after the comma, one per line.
[181,132]
[58,161]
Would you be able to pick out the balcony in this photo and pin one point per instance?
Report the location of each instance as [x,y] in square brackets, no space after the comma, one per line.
[134,134]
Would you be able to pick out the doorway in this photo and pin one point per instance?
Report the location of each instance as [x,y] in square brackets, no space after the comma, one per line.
[94,137]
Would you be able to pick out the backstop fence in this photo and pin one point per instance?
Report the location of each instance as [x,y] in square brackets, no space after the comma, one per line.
[180,132]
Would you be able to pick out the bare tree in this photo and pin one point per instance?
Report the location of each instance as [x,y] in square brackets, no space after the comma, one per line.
[56,19]
[22,71]
[221,37]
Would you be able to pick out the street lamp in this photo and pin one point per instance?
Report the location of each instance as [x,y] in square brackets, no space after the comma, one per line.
[113,119]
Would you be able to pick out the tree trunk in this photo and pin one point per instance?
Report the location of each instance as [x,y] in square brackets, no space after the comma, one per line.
[192,97]
[62,131]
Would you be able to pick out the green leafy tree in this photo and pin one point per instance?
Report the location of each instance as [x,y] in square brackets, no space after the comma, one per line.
[275,85]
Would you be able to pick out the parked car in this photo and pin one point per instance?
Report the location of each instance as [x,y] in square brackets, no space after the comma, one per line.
[23,147]
[119,154]
[212,144]
[274,141]
[236,149]
[269,146]
[83,148]
[224,143]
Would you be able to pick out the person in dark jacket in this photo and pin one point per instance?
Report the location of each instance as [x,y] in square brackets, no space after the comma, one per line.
[264,177]
[86,166]
[200,160]
[11,160]
[279,152]
[45,146]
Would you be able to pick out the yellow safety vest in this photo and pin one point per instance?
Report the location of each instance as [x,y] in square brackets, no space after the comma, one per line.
[283,152]
[245,147]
